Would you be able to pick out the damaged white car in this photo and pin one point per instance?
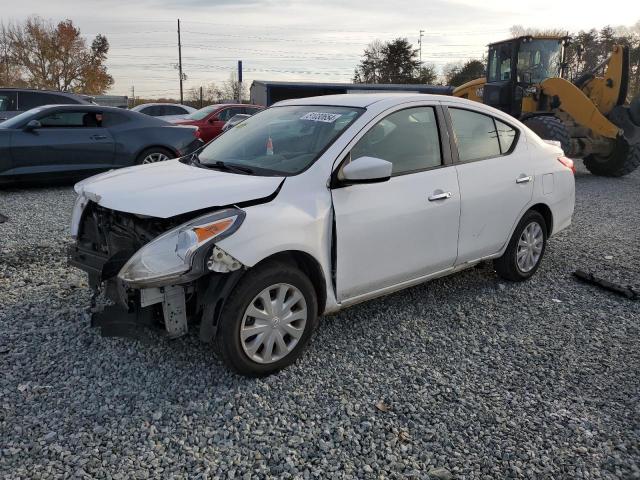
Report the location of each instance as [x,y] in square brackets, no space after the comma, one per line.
[311,206]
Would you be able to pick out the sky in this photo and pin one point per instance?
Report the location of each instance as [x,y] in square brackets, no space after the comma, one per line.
[296,40]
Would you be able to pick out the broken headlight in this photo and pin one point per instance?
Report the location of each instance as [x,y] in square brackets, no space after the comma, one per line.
[179,251]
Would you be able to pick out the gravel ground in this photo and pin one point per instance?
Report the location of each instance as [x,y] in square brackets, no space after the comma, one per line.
[465,377]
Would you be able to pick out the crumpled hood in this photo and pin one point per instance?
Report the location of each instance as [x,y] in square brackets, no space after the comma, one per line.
[166,189]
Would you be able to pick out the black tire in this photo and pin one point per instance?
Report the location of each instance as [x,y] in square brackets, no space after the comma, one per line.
[154,150]
[507,265]
[549,127]
[623,160]
[228,342]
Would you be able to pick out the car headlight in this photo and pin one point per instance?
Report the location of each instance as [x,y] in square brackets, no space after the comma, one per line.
[180,251]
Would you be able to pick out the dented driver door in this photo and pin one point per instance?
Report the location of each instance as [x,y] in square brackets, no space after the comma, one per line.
[407,227]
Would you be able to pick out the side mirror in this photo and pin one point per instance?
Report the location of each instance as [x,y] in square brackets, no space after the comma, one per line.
[32,125]
[366,170]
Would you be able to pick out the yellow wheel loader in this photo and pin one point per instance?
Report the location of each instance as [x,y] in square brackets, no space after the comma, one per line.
[589,117]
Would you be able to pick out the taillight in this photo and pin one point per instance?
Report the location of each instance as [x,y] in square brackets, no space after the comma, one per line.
[567,162]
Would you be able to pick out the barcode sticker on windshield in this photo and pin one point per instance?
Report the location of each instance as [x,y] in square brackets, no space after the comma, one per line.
[321,117]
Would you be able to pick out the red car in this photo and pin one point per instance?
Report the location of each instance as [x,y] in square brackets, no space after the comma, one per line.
[211,119]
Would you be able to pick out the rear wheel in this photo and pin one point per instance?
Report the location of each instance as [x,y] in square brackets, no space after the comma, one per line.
[623,160]
[526,248]
[549,127]
[267,320]
[154,155]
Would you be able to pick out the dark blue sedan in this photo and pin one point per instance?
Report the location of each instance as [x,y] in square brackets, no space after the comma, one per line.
[78,140]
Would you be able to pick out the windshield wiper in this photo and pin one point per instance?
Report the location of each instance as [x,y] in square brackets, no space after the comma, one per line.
[230,167]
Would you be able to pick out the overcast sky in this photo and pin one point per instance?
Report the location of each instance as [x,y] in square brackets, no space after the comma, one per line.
[319,40]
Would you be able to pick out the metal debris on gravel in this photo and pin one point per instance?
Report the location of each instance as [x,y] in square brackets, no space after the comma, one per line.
[480,379]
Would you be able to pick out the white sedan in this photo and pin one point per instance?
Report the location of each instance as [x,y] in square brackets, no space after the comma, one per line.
[165,111]
[314,205]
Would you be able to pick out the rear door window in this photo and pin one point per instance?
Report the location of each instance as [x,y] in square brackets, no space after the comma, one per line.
[475,134]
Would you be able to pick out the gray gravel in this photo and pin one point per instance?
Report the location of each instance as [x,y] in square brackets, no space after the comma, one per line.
[465,377]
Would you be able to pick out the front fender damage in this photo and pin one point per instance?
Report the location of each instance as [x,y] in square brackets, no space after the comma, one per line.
[173,306]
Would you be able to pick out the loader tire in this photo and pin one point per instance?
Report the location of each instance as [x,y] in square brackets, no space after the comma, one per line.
[549,127]
[623,160]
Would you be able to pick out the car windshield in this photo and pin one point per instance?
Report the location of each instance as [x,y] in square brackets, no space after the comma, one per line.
[202,113]
[280,140]
[18,120]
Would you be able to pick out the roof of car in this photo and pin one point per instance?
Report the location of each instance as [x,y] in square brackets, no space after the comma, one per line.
[361,100]
[57,92]
[88,107]
[153,104]
[224,105]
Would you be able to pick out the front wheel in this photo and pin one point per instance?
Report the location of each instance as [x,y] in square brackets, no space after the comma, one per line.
[154,155]
[526,248]
[267,320]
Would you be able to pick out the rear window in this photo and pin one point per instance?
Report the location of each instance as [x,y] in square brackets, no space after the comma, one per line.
[475,135]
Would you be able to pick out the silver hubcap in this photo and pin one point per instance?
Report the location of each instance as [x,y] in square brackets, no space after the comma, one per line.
[155,157]
[530,247]
[273,323]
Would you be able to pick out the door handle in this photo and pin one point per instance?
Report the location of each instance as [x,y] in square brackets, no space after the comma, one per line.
[98,137]
[524,179]
[439,196]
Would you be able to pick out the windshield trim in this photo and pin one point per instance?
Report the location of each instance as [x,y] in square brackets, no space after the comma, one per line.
[276,173]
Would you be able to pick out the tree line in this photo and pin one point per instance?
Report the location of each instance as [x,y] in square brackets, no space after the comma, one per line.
[397,61]
[40,54]
[229,90]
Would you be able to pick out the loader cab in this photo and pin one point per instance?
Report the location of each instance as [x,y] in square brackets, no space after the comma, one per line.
[518,64]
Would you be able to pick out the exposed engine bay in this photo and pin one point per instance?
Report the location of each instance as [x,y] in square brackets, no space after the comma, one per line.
[106,241]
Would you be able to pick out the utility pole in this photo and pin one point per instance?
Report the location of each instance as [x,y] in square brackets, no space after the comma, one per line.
[180,61]
[133,96]
[239,81]
[200,96]
[420,44]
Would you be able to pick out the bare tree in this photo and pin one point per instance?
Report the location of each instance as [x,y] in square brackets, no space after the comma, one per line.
[57,57]
[10,73]
[210,94]
[231,88]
